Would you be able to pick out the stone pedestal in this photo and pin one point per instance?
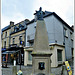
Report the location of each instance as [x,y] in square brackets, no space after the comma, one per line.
[39,58]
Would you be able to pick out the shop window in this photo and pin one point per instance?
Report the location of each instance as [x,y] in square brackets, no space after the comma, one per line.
[59,55]
[29,55]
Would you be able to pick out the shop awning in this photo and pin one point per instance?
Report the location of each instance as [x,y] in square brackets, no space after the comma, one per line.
[9,52]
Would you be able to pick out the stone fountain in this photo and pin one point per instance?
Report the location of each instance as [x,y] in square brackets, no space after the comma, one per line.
[41,63]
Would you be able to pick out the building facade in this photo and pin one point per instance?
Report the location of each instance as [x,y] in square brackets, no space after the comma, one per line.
[60,36]
[59,32]
[13,36]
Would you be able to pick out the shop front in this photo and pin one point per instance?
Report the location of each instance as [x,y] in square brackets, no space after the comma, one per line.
[13,53]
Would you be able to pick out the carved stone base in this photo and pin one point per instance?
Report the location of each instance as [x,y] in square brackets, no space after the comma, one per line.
[41,64]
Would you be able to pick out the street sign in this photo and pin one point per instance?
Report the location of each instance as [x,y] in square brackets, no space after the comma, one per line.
[68,68]
[21,42]
[19,72]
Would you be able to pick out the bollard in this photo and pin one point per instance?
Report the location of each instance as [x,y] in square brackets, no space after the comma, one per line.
[14,62]
[19,72]
[14,70]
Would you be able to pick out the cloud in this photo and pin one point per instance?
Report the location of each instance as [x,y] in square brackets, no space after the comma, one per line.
[15,10]
[64,8]
[15,18]
[19,10]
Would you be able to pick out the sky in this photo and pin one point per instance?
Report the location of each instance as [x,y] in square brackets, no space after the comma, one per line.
[19,10]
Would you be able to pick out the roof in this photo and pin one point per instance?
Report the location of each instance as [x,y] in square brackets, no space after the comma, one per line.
[33,20]
[5,28]
[18,31]
[47,13]
[62,21]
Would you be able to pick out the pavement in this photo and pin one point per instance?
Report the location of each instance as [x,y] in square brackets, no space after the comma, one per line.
[27,70]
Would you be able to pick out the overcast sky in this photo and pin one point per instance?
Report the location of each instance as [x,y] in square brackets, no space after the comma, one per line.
[19,10]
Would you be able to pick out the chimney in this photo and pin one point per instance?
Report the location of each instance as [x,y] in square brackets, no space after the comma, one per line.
[72,27]
[27,20]
[11,23]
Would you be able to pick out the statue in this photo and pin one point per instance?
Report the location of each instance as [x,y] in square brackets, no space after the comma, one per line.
[39,14]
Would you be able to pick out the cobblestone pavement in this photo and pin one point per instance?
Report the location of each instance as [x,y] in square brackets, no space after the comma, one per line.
[27,70]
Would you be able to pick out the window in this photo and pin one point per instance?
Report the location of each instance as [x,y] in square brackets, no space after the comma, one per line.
[30,43]
[71,35]
[72,52]
[65,32]
[29,55]
[35,26]
[20,38]
[20,26]
[28,37]
[59,55]
[4,44]
[13,40]
[5,34]
[16,29]
[12,29]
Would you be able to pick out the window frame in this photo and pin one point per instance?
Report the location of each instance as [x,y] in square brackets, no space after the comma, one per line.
[4,44]
[20,38]
[29,55]
[5,34]
[71,35]
[58,56]
[13,40]
[66,32]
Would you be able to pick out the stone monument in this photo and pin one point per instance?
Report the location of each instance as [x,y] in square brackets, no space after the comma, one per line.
[41,52]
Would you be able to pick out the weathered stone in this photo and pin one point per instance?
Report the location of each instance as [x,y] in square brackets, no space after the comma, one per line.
[41,43]
[41,52]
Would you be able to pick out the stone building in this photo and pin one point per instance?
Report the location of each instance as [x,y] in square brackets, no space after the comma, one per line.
[60,36]
[12,36]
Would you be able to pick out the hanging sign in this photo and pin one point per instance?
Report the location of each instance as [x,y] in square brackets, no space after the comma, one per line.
[68,68]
